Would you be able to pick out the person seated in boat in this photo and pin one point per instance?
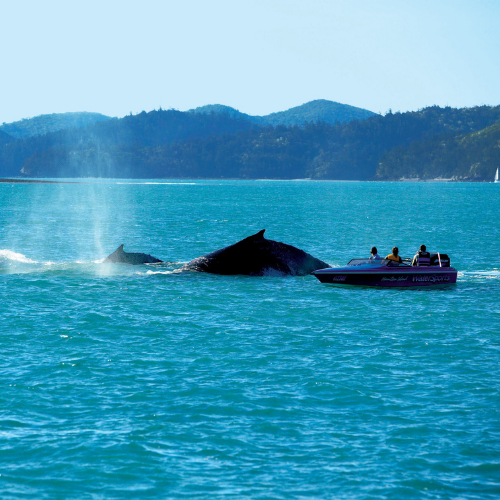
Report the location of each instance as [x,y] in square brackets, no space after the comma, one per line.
[394,255]
[422,257]
[375,255]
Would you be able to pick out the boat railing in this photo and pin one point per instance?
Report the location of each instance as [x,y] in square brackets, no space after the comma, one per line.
[378,262]
[392,263]
[362,262]
[437,259]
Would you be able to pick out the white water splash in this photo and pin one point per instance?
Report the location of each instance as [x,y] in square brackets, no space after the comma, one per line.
[175,271]
[18,257]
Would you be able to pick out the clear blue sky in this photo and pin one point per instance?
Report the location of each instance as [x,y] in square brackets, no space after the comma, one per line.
[117,57]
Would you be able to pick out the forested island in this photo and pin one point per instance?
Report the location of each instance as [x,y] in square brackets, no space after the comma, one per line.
[44,124]
[311,141]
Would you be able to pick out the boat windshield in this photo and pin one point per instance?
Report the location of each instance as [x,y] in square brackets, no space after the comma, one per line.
[367,262]
[378,262]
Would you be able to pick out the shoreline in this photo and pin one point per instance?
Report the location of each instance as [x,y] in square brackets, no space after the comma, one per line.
[84,180]
[32,181]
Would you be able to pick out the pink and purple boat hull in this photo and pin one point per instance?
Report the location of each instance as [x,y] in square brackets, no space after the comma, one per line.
[386,273]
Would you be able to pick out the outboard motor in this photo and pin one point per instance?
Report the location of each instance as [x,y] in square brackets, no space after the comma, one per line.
[445,260]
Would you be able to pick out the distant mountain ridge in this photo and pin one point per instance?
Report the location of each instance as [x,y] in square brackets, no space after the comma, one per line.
[94,151]
[44,124]
[320,110]
[434,142]
[350,151]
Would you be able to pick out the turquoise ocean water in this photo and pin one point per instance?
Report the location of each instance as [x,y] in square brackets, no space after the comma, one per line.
[143,382]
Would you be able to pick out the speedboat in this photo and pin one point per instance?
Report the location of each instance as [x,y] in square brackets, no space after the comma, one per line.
[388,273]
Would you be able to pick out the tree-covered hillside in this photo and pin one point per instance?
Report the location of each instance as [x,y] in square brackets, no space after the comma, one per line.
[356,148]
[221,109]
[5,138]
[43,124]
[473,156]
[320,151]
[168,144]
[89,151]
[320,110]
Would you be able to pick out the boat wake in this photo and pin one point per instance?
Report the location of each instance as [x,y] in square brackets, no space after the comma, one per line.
[482,274]
[493,274]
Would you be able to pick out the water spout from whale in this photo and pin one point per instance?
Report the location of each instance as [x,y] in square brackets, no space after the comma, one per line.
[257,256]
[119,256]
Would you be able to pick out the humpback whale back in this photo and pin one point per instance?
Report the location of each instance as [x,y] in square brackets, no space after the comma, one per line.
[121,257]
[257,256]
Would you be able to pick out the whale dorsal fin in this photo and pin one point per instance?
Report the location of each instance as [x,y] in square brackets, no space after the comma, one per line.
[257,236]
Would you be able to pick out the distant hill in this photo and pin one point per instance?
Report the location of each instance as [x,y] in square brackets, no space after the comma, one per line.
[350,151]
[43,124]
[474,156]
[357,150]
[93,150]
[429,143]
[228,110]
[320,110]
